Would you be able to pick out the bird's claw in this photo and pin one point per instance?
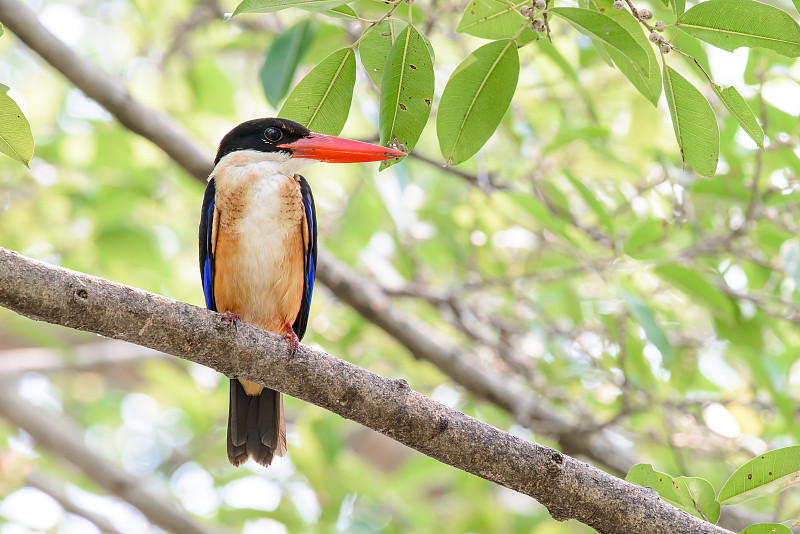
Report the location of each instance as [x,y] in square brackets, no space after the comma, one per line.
[232,318]
[294,341]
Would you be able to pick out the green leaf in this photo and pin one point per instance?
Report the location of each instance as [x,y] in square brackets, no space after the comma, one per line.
[321,101]
[212,88]
[406,92]
[283,58]
[693,495]
[341,12]
[374,47]
[591,200]
[607,30]
[768,376]
[647,82]
[542,214]
[678,7]
[548,49]
[741,112]
[493,19]
[268,6]
[694,123]
[767,528]
[730,24]
[697,495]
[636,367]
[475,99]
[697,287]
[646,233]
[644,316]
[16,139]
[748,333]
[2,30]
[796,5]
[767,474]
[790,258]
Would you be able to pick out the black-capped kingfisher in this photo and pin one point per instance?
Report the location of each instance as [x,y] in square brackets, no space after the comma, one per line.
[258,253]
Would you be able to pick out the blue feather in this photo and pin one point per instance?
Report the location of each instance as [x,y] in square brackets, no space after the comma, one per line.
[311,267]
[208,264]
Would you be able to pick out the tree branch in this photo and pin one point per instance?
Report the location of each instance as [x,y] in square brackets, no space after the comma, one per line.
[108,92]
[345,284]
[59,493]
[91,355]
[374,305]
[22,21]
[59,435]
[568,488]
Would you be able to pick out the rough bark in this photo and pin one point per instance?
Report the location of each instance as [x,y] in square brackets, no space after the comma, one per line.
[538,416]
[374,305]
[570,489]
[364,296]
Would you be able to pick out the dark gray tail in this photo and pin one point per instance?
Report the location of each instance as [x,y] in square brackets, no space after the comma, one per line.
[255,426]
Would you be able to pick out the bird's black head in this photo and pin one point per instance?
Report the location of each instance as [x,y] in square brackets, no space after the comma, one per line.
[263,135]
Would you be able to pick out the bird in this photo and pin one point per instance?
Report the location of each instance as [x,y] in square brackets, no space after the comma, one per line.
[258,254]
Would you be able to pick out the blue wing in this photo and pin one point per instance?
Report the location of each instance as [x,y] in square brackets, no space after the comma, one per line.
[207,247]
[301,321]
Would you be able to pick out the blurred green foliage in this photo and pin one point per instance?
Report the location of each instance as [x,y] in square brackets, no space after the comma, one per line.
[629,290]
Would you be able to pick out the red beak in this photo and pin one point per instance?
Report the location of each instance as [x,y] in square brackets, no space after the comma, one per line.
[338,150]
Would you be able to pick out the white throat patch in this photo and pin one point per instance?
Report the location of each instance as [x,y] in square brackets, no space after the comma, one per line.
[268,163]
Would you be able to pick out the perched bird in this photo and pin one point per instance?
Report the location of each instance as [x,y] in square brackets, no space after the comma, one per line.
[258,253]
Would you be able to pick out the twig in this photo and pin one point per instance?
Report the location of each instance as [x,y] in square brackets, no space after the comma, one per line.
[473,179]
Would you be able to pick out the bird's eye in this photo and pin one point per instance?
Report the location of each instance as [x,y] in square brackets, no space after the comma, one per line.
[273,135]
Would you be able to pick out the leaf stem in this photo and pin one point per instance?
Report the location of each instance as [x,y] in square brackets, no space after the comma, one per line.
[544,14]
[638,16]
[681,52]
[395,4]
[519,32]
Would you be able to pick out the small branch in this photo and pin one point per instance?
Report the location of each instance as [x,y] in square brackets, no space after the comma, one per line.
[568,488]
[485,182]
[638,16]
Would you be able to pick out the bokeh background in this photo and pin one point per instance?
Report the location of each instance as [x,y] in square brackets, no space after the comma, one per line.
[651,311]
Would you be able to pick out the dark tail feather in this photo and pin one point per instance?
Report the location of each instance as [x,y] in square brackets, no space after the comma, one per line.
[256,428]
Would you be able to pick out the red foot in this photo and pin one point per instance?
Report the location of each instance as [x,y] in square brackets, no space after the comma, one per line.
[294,341]
[232,318]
